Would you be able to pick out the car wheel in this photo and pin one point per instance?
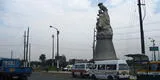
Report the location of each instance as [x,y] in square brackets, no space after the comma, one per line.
[82,75]
[23,78]
[73,75]
[94,77]
[110,78]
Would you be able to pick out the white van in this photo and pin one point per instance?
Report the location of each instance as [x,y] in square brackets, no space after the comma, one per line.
[110,69]
[80,69]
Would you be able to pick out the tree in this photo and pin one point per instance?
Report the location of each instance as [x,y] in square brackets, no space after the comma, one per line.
[72,61]
[62,60]
[42,58]
[50,61]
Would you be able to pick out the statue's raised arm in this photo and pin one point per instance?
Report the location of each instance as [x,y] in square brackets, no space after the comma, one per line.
[104,20]
[102,7]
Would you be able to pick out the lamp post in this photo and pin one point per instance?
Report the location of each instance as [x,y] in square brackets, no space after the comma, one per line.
[53,50]
[153,41]
[57,46]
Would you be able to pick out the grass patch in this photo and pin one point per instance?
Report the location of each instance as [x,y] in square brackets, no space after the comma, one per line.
[52,68]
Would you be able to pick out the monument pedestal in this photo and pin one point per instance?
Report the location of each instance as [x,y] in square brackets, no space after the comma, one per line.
[104,50]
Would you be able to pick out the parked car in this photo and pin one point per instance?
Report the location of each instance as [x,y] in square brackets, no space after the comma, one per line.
[80,69]
[67,68]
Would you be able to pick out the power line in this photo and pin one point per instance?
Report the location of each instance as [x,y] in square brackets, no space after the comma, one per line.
[133,38]
[133,26]
[11,45]
[136,32]
[41,45]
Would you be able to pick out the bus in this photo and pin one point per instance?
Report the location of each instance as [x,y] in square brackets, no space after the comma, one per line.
[110,70]
[80,69]
[150,72]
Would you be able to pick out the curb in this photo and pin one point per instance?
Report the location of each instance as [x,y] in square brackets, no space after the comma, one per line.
[58,72]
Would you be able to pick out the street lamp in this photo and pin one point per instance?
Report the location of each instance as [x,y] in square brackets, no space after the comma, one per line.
[153,41]
[53,50]
[57,46]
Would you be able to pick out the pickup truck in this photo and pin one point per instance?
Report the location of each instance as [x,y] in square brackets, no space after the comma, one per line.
[13,69]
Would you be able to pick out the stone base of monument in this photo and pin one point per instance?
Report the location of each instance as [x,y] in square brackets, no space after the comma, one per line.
[104,50]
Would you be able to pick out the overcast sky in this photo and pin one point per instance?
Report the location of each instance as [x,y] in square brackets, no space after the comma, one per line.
[76,20]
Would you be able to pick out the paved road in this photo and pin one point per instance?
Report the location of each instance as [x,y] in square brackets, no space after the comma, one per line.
[52,76]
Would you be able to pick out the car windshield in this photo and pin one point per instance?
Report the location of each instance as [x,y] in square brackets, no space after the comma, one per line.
[82,66]
[10,63]
[88,66]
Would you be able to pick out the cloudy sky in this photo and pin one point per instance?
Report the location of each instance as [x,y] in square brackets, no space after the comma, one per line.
[76,20]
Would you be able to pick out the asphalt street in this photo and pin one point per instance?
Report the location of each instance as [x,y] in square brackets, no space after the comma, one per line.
[52,76]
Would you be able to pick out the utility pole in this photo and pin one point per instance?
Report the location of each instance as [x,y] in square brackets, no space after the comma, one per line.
[11,54]
[30,55]
[57,46]
[141,28]
[24,48]
[154,53]
[53,50]
[94,40]
[58,50]
[27,47]
[158,54]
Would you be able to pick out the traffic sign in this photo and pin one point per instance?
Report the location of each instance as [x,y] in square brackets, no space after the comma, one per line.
[155,48]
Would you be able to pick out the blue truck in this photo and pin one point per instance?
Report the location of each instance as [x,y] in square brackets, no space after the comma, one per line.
[11,69]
